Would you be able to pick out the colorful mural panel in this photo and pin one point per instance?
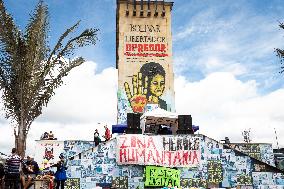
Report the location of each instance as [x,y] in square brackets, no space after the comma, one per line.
[144,61]
[47,152]
[72,183]
[218,166]
[161,176]
[262,152]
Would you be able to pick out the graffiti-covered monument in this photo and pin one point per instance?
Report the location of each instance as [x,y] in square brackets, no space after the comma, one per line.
[144,56]
[167,153]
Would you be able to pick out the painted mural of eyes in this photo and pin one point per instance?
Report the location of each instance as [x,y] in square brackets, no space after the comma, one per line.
[137,98]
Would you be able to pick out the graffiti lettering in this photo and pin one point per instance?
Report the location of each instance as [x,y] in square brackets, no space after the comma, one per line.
[244,179]
[144,39]
[150,150]
[160,176]
[120,182]
[144,28]
[215,173]
[147,47]
[193,182]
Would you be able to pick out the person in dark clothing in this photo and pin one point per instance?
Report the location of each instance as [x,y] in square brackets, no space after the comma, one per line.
[2,173]
[97,138]
[12,170]
[60,174]
[30,170]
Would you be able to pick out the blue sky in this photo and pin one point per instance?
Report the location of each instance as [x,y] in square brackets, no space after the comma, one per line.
[208,36]
[226,70]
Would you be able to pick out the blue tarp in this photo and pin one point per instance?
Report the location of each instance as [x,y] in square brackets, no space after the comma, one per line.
[120,128]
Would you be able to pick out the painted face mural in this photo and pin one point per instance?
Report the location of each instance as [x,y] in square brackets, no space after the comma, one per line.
[48,154]
[157,85]
[148,86]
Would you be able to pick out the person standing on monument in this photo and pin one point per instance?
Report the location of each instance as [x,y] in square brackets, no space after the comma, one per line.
[97,138]
[107,133]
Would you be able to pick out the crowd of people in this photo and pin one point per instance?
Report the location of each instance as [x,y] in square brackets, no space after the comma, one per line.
[21,173]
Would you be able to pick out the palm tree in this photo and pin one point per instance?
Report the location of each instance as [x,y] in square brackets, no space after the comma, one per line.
[30,71]
[280,53]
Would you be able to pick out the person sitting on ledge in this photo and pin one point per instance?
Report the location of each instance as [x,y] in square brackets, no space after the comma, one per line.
[44,136]
[50,135]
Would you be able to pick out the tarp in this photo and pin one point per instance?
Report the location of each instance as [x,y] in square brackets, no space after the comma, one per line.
[159,112]
[161,116]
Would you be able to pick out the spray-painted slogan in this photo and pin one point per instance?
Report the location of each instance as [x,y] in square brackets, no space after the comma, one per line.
[161,176]
[166,151]
[145,44]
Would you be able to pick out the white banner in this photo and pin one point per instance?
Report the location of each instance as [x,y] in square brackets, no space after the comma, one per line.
[169,151]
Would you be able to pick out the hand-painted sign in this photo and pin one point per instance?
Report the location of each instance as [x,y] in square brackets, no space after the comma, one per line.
[214,170]
[161,176]
[169,151]
[48,152]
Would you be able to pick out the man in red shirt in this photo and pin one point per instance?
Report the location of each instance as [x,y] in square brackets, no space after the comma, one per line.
[107,134]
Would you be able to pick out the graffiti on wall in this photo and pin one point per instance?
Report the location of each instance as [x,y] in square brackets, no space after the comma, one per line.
[74,147]
[193,183]
[120,182]
[262,152]
[170,151]
[72,183]
[223,166]
[47,152]
[161,176]
[215,172]
[145,71]
[244,179]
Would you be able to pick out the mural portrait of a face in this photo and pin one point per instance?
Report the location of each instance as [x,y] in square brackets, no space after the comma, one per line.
[148,86]
[155,75]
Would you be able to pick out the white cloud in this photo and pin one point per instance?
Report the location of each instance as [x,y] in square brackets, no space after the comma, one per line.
[86,101]
[86,96]
[220,104]
[224,106]
[241,42]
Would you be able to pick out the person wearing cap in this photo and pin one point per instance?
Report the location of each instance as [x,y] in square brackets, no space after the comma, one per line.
[30,171]
[12,170]
[60,174]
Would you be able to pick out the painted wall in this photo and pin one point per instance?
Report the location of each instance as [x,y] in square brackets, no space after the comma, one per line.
[144,61]
[217,166]
[260,151]
[47,152]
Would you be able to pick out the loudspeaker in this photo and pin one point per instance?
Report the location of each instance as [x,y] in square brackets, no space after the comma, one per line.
[185,124]
[133,123]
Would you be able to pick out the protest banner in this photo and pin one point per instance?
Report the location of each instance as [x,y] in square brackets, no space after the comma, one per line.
[168,151]
[161,176]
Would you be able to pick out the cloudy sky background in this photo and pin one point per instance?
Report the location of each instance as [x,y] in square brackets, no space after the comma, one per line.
[226,70]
